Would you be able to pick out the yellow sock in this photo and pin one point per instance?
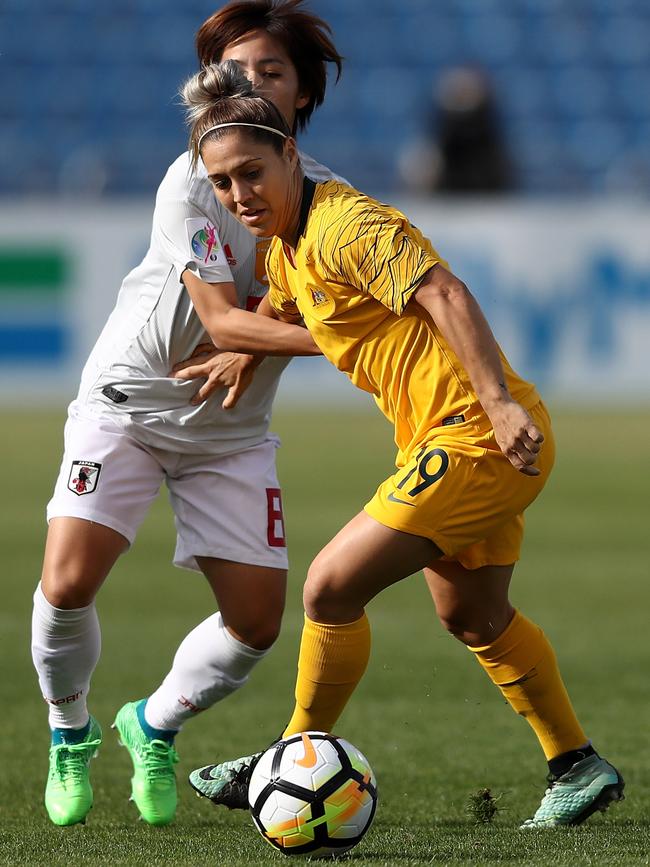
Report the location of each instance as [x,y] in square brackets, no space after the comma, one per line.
[332,661]
[522,663]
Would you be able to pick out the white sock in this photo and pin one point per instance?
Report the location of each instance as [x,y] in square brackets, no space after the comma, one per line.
[65,649]
[209,664]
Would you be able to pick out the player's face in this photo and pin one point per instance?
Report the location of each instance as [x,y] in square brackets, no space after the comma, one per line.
[256,184]
[268,66]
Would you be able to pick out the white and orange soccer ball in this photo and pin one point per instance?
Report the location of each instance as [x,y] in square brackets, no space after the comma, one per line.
[312,794]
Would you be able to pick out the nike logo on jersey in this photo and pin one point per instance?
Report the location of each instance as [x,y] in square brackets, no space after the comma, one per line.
[395,499]
[310,758]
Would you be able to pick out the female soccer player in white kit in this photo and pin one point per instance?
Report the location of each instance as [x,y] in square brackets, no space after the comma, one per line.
[133,425]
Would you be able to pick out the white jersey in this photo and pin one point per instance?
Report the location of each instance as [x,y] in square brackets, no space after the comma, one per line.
[154,325]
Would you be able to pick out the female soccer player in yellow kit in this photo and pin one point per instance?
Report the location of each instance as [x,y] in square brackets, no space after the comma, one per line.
[475,445]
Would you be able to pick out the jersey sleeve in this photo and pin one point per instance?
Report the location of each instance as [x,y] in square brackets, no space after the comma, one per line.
[374,248]
[280,298]
[185,235]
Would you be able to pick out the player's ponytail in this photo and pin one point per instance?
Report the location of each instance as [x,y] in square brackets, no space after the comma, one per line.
[212,83]
[221,94]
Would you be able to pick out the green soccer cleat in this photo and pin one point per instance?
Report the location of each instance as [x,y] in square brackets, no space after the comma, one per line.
[153,784]
[68,793]
[591,784]
[226,784]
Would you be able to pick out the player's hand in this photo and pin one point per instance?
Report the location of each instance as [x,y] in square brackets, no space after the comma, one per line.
[205,359]
[231,370]
[517,436]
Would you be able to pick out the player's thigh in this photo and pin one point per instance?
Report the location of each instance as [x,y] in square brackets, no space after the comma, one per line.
[362,559]
[471,603]
[229,507]
[78,556]
[251,598]
[457,490]
[105,485]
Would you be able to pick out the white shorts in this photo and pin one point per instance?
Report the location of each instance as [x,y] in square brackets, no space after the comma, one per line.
[225,506]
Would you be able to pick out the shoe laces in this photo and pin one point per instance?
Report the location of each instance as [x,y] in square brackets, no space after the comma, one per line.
[158,758]
[551,780]
[71,760]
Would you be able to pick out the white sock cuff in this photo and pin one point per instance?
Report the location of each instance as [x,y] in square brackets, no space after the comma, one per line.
[241,657]
[49,614]
[209,665]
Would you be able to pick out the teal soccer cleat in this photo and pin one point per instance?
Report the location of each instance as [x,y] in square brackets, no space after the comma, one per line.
[226,784]
[68,794]
[153,784]
[591,784]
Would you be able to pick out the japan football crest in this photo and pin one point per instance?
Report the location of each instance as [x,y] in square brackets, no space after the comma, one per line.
[83,477]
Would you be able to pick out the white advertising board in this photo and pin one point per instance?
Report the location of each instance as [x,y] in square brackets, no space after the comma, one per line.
[565,286]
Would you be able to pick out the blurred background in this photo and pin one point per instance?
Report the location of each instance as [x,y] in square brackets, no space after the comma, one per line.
[516,133]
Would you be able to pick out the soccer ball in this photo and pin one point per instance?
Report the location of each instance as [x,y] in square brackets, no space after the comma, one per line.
[312,794]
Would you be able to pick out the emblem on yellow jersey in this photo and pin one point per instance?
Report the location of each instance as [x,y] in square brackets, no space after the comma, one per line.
[318,297]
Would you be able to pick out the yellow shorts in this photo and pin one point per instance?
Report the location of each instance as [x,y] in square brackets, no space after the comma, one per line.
[464,494]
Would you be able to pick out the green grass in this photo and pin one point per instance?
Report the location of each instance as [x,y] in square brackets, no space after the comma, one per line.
[431,724]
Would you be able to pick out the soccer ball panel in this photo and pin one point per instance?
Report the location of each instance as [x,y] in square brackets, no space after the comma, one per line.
[349,811]
[261,775]
[313,794]
[286,821]
[357,759]
[307,769]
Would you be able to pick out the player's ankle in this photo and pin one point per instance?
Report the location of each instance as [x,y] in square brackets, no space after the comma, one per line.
[565,761]
[150,731]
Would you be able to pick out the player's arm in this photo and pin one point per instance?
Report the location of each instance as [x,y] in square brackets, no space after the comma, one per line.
[233,369]
[239,330]
[461,322]
[266,308]
[176,224]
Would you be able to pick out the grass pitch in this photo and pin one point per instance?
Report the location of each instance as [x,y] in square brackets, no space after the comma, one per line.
[433,727]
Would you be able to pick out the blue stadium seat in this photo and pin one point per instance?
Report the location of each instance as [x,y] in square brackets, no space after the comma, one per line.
[493,39]
[558,39]
[625,39]
[632,92]
[429,39]
[594,143]
[572,80]
[522,92]
[580,91]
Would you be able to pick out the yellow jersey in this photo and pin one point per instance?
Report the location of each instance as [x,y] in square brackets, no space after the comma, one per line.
[356,264]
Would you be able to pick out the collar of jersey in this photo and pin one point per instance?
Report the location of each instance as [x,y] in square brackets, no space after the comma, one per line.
[308,191]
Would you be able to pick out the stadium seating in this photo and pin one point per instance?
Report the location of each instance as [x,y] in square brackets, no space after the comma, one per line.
[96,84]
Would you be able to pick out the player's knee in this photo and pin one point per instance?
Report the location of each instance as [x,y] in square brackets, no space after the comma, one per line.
[473,627]
[260,636]
[256,627]
[458,627]
[67,586]
[327,597]
[315,593]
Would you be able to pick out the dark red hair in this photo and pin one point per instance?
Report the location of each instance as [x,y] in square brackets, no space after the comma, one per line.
[304,36]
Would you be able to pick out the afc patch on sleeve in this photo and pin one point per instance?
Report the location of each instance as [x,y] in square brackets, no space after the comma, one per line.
[83,477]
[205,246]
